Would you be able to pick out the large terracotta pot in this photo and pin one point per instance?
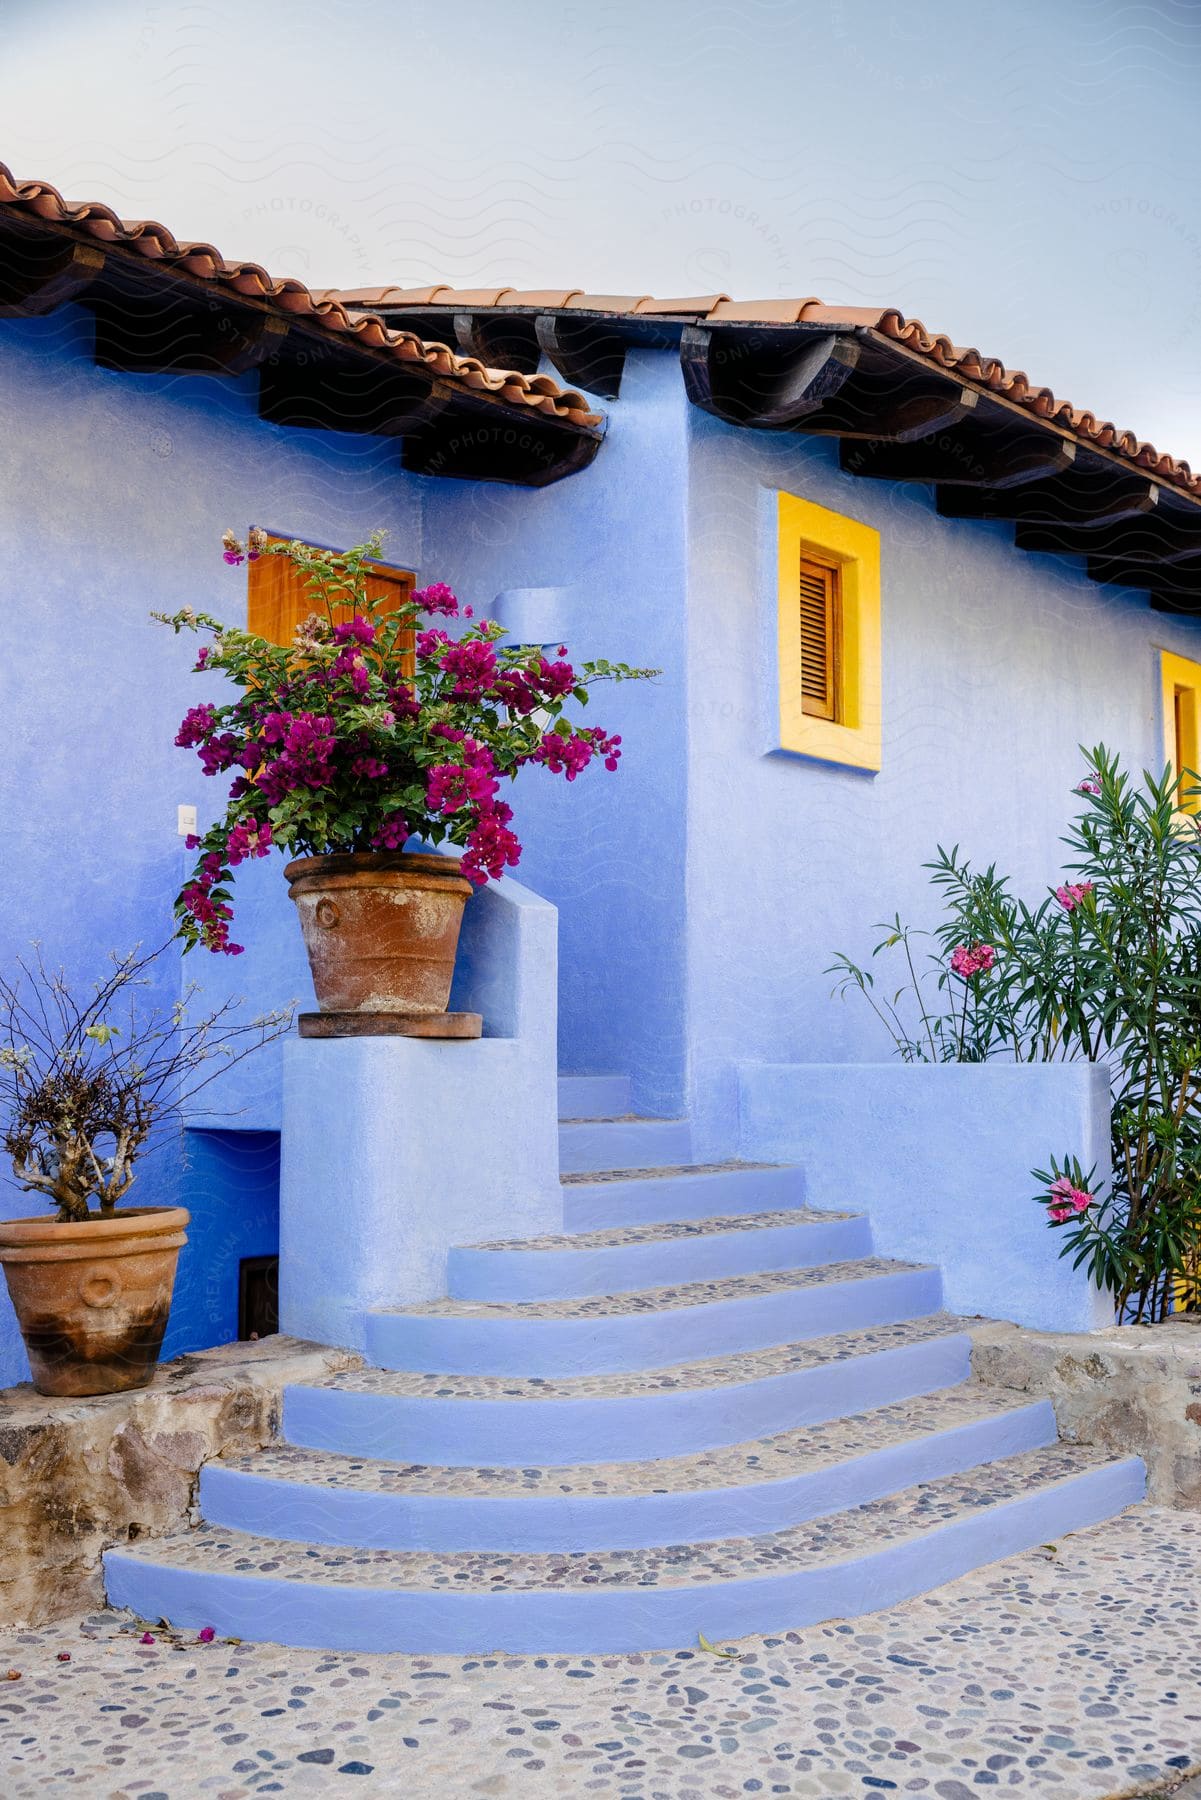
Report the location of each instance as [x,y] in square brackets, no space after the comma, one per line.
[381,929]
[92,1298]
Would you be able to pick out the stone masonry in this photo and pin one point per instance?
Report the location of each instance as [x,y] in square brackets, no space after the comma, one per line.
[79,1475]
[1125,1389]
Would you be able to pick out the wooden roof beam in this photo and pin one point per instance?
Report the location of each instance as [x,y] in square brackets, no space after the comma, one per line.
[1073,500]
[38,275]
[746,381]
[501,340]
[168,334]
[971,457]
[585,353]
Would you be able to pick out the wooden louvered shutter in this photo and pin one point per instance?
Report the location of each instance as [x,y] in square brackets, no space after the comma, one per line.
[819,639]
[278,600]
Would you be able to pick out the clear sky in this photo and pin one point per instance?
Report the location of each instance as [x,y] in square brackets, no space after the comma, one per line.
[1021,174]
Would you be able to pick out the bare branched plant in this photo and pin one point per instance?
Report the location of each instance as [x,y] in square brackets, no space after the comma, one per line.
[86,1085]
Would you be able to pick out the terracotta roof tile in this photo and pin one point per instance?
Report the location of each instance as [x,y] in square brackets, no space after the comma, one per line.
[971,365]
[760,312]
[700,304]
[145,237]
[614,303]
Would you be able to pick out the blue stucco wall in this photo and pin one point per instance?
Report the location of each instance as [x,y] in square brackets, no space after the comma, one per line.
[702,891]
[114,490]
[608,850]
[996,666]
[230,1185]
[940,1157]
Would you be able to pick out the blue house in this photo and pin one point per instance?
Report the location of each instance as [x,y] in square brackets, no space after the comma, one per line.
[891,586]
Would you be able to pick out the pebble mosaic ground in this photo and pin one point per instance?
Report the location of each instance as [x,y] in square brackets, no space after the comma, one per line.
[1072,1671]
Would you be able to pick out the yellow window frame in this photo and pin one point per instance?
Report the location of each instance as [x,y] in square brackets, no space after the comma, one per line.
[853,737]
[1181,686]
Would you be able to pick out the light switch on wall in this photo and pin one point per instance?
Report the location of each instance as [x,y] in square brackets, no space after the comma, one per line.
[186,821]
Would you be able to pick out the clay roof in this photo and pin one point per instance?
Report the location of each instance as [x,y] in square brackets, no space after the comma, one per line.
[969,365]
[287,295]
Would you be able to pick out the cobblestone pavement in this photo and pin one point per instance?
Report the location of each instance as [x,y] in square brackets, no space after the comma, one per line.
[1074,1671]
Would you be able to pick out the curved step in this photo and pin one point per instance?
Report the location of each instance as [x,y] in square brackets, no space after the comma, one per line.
[650,1327]
[461,1419]
[621,1258]
[316,1497]
[626,1143]
[836,1567]
[592,1201]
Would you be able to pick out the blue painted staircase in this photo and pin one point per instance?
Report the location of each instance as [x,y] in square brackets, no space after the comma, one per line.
[702,1408]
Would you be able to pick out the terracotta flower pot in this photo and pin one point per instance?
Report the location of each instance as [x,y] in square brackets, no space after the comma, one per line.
[381,929]
[92,1298]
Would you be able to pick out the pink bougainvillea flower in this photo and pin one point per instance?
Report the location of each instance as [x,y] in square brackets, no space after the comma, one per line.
[147,1637]
[354,631]
[438,598]
[206,1634]
[63,1656]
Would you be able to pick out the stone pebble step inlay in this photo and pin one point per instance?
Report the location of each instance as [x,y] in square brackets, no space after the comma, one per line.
[716,1372]
[762,1460]
[658,1300]
[833,1539]
[589,1177]
[667,1230]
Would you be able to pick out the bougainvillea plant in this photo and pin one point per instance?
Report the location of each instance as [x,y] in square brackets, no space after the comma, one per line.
[372,727]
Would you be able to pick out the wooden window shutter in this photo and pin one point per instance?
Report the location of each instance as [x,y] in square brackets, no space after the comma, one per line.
[1185,744]
[278,600]
[819,638]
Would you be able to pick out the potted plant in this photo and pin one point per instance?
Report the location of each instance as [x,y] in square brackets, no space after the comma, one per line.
[371,737]
[85,1087]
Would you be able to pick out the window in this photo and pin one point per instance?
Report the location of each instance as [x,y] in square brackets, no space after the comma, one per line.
[829,635]
[820,604]
[278,600]
[1181,716]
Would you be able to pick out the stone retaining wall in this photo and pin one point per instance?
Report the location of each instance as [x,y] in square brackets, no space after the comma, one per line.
[79,1475]
[1128,1388]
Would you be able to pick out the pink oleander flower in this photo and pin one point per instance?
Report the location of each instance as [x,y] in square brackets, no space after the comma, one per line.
[1067,1200]
[1090,785]
[968,960]
[1073,894]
